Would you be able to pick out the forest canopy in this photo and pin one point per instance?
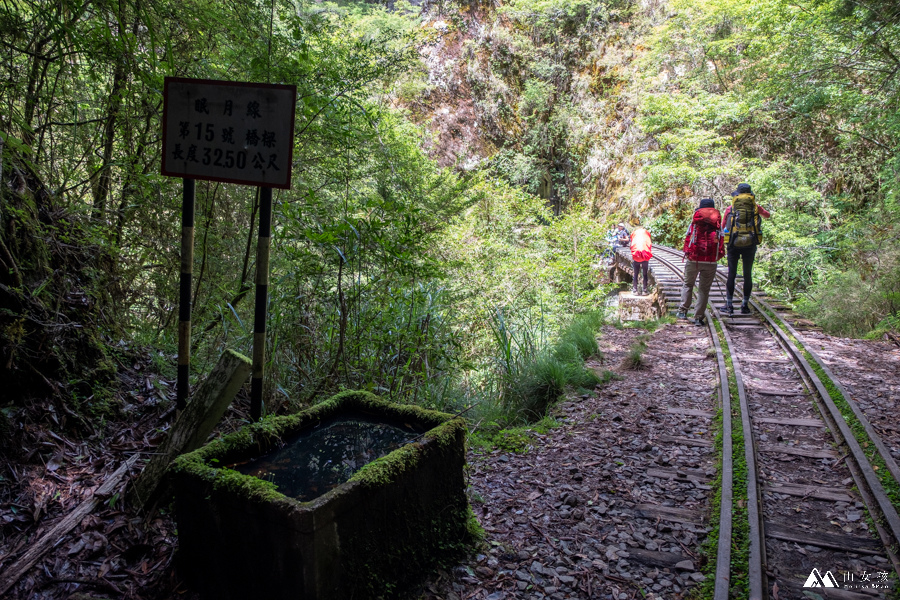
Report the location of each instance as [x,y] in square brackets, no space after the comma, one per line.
[456,170]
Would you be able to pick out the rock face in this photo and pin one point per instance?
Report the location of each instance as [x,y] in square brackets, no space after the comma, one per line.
[638,308]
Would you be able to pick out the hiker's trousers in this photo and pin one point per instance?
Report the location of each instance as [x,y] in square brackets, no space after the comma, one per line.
[707,272]
[641,266]
[746,256]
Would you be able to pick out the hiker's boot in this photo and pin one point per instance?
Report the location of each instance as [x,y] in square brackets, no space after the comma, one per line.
[745,310]
[699,321]
[646,293]
[634,291]
[681,315]
[728,309]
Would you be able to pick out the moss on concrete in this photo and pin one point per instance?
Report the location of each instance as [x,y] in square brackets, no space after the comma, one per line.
[403,513]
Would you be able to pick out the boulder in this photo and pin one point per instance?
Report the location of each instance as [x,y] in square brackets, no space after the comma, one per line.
[638,308]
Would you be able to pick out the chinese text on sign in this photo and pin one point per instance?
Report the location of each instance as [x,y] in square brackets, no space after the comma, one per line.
[228,131]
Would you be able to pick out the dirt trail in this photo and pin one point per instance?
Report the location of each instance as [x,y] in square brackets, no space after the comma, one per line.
[612,503]
[609,505]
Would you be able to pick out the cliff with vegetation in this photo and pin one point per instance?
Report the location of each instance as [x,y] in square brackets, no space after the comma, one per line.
[457,167]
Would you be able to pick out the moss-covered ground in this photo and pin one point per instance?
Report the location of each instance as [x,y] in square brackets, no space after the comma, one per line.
[740,520]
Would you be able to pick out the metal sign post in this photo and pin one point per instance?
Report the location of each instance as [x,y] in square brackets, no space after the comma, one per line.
[262,299]
[237,133]
[184,294]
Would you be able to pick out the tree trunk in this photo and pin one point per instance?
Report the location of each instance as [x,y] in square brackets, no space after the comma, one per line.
[31,93]
[104,174]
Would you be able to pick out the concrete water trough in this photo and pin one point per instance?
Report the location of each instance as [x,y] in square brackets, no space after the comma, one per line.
[241,536]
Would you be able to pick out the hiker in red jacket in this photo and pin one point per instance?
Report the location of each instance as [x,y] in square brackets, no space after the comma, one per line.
[704,245]
[641,253]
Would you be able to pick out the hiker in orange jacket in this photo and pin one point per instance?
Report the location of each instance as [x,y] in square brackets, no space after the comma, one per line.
[641,253]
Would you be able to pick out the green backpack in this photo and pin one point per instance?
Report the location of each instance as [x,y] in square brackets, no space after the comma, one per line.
[743,227]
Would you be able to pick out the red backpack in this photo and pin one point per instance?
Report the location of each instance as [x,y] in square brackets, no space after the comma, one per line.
[704,241]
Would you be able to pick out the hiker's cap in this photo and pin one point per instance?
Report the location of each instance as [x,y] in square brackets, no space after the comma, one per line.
[622,225]
[744,188]
[707,203]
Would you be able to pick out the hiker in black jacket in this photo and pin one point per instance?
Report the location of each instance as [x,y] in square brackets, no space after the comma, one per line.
[743,233]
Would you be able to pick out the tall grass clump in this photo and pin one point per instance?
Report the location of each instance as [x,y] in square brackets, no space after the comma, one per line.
[545,381]
[582,333]
[635,358]
[528,377]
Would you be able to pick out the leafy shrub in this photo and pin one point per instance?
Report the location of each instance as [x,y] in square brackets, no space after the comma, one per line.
[848,303]
[553,16]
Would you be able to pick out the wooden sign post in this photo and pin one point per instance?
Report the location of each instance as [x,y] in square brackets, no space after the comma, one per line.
[237,133]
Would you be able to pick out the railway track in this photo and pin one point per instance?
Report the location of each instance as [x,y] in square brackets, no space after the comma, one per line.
[816,516]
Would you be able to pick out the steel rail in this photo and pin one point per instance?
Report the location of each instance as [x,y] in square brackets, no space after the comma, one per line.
[722,585]
[885,454]
[867,481]
[755,571]
[784,331]
[869,477]
[726,501]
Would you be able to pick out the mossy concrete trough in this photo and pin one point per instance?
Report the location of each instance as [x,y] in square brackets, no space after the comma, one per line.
[372,536]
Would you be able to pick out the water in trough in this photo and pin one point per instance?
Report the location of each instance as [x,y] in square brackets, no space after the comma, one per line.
[326,456]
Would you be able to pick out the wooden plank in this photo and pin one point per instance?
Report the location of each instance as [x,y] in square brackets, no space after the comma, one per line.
[684,441]
[669,513]
[655,558]
[691,412]
[810,491]
[791,422]
[776,361]
[757,381]
[845,543]
[810,453]
[679,356]
[194,424]
[774,392]
[63,527]
[679,475]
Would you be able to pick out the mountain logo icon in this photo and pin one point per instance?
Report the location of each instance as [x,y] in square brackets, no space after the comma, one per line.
[816,579]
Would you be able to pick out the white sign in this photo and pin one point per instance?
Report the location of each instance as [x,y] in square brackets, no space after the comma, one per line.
[228,131]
